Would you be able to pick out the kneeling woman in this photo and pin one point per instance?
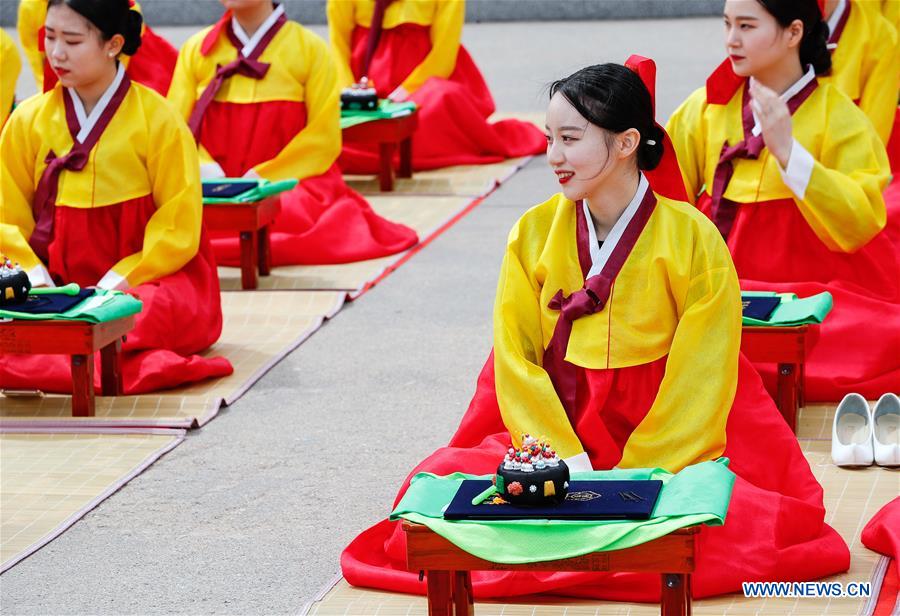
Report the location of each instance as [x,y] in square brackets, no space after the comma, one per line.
[411,50]
[260,93]
[792,173]
[99,185]
[617,330]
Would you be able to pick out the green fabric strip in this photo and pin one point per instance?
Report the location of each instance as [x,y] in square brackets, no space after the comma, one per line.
[793,311]
[386,109]
[100,307]
[263,190]
[699,494]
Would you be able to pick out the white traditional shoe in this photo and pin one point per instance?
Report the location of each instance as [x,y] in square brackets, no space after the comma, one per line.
[851,434]
[886,430]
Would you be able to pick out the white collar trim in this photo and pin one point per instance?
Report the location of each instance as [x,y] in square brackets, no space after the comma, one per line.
[788,94]
[834,19]
[599,256]
[250,42]
[86,122]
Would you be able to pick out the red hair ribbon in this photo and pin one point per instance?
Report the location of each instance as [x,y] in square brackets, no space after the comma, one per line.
[666,179]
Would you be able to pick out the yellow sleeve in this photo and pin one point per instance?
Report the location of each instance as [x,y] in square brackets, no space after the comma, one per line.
[340,34]
[526,396]
[315,148]
[843,203]
[32,14]
[686,423]
[172,235]
[10,66]
[688,133]
[18,153]
[445,34]
[878,98]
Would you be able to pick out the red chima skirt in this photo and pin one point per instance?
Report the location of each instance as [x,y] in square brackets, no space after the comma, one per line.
[453,127]
[181,316]
[775,527]
[322,220]
[775,249]
[892,192]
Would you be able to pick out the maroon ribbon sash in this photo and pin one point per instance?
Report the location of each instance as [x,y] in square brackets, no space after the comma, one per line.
[375,30]
[249,66]
[834,37]
[44,204]
[724,211]
[590,299]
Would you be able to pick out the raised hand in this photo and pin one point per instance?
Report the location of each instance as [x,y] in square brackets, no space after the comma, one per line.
[774,120]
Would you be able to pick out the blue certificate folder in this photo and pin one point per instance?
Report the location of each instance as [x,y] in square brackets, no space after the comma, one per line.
[586,500]
[759,308]
[227,189]
[50,303]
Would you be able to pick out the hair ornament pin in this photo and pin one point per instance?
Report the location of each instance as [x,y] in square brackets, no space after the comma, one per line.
[650,142]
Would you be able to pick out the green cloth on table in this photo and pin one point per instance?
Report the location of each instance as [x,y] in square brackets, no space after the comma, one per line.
[793,311]
[386,109]
[100,307]
[699,494]
[264,189]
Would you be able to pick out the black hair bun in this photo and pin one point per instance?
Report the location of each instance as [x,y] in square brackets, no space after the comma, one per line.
[814,48]
[650,152]
[131,30]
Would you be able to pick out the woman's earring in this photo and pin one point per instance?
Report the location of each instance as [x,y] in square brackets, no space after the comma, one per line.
[112,55]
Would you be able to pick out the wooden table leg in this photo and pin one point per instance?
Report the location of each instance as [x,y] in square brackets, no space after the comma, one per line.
[406,170]
[265,251]
[83,385]
[249,258]
[462,593]
[787,393]
[440,595]
[111,364]
[675,598]
[386,161]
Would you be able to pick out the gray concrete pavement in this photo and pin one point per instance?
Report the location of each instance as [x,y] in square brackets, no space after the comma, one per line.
[250,514]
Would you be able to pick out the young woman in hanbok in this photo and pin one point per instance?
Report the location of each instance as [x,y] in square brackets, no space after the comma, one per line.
[792,174]
[100,186]
[411,50]
[9,75]
[260,94]
[866,67]
[151,65]
[617,328]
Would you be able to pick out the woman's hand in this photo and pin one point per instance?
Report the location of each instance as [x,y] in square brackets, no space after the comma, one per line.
[399,95]
[774,120]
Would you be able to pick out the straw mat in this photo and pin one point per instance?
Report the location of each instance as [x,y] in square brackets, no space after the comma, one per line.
[427,215]
[259,330]
[49,481]
[464,180]
[852,497]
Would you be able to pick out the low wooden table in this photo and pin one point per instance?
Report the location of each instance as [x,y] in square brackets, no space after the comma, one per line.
[388,133]
[79,340]
[449,580]
[787,347]
[251,222]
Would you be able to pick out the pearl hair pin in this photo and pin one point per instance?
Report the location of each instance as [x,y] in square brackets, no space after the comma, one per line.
[650,142]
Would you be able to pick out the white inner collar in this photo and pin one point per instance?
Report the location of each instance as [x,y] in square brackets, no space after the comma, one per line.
[250,42]
[834,19]
[600,255]
[788,94]
[86,122]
